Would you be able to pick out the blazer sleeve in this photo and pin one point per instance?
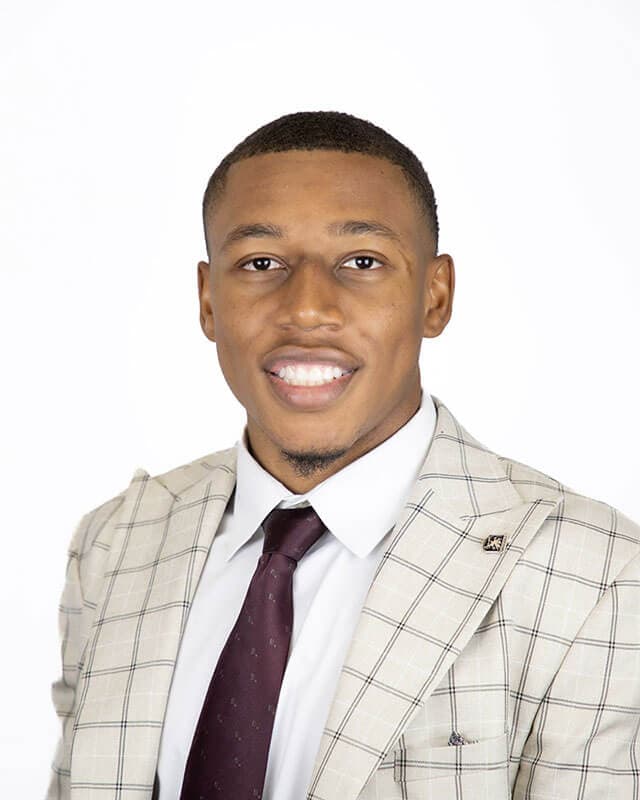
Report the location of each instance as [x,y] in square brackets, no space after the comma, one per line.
[86,563]
[585,739]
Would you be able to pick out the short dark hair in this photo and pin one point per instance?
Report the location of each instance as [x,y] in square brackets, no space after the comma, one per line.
[329,130]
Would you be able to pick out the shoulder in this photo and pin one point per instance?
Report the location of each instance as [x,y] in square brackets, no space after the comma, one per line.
[582,536]
[96,526]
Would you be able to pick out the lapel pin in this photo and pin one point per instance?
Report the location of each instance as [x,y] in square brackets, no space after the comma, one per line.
[494,543]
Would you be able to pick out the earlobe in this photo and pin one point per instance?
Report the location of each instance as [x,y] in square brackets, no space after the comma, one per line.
[206,307]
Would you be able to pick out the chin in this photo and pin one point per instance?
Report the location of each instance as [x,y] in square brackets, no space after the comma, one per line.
[297,439]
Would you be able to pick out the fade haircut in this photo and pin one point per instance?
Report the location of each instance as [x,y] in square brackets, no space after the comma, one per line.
[329,130]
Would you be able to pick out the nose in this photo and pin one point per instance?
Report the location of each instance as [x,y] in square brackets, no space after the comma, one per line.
[309,298]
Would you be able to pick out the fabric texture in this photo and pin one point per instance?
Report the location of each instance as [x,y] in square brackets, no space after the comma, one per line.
[531,653]
[228,756]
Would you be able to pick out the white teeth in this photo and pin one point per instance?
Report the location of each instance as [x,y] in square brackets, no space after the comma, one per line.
[302,375]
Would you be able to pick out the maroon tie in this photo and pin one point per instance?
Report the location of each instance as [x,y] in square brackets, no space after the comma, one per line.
[228,755]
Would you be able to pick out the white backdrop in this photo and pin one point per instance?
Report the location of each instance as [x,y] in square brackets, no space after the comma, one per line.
[525,115]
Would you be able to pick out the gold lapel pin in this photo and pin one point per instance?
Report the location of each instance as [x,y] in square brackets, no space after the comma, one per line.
[494,543]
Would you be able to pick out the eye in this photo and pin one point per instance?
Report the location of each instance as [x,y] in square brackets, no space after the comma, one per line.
[363,263]
[260,264]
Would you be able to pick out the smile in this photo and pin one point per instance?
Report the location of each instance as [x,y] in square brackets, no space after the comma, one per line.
[310,387]
[310,374]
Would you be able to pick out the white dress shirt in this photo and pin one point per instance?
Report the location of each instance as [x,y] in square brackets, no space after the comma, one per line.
[359,506]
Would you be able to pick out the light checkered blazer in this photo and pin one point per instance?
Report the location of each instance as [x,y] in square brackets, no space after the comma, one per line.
[528,655]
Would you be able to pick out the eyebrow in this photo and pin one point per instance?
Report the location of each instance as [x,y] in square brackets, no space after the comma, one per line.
[351,227]
[254,230]
[356,227]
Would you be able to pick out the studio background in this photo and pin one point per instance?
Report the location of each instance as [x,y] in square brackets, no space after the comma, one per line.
[525,115]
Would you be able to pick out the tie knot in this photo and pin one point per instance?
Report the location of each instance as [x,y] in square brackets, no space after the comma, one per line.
[291,531]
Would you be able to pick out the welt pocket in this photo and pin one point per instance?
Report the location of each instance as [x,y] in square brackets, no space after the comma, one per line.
[426,763]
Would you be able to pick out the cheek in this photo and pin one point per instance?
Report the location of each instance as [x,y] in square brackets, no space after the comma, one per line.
[239,319]
[233,343]
[395,334]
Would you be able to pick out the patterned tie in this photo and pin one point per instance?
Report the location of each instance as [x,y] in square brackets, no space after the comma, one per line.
[228,755]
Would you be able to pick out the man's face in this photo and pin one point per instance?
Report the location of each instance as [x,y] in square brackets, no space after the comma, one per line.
[321,263]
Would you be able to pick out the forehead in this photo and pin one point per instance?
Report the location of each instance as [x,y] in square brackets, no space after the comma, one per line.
[311,189]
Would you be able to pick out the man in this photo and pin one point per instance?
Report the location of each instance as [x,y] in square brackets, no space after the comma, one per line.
[358,599]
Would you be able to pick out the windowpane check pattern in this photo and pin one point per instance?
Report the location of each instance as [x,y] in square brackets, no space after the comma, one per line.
[531,653]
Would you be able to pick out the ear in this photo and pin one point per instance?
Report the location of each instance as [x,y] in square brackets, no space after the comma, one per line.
[440,280]
[207,322]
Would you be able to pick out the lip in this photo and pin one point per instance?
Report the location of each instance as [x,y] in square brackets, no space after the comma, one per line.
[309,398]
[289,354]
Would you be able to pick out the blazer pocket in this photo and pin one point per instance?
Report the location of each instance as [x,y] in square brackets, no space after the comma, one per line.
[428,763]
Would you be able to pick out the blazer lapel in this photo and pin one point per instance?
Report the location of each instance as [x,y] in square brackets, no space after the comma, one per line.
[433,586]
[158,550]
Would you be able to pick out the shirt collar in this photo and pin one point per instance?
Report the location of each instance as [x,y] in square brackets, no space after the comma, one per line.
[359,504]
